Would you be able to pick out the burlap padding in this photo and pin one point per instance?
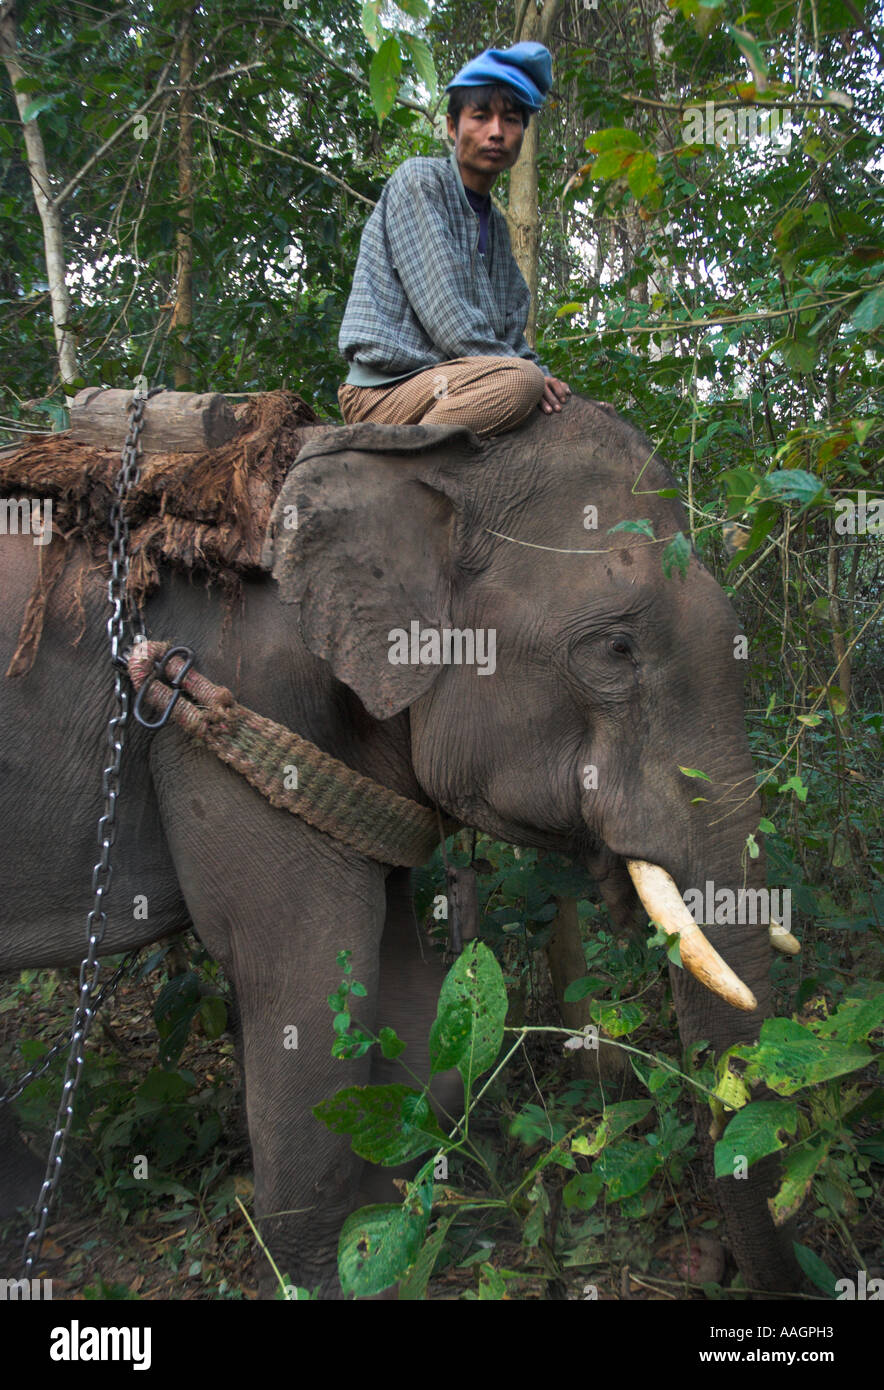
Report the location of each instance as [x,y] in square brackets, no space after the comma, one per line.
[329,795]
[205,511]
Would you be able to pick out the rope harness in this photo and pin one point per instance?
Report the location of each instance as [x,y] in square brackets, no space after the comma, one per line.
[292,773]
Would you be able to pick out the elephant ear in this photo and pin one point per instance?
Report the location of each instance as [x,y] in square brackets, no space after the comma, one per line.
[364,537]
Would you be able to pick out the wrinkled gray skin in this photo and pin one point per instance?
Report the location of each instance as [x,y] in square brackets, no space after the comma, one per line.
[600,660]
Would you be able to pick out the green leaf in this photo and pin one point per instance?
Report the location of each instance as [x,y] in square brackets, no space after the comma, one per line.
[627,1168]
[693,772]
[673,950]
[582,1192]
[837,700]
[610,164]
[386,1124]
[642,177]
[660,1076]
[799,1167]
[869,313]
[730,1089]
[213,1012]
[421,57]
[863,428]
[418,9]
[391,1045]
[492,1285]
[617,1019]
[789,1056]
[377,1246]
[754,1132]
[162,1087]
[614,137]
[574,307]
[799,354]
[579,989]
[767,827]
[853,1020]
[751,51]
[643,527]
[414,1285]
[383,77]
[617,1120]
[765,519]
[817,1272]
[739,484]
[468,1029]
[794,485]
[676,555]
[752,846]
[534,1226]
[34,107]
[795,784]
[371,25]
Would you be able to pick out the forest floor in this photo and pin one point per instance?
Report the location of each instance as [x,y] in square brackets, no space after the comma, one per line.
[122,1233]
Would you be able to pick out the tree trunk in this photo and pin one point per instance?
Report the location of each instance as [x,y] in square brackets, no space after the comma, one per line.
[523,213]
[567,963]
[50,216]
[182,316]
[839,637]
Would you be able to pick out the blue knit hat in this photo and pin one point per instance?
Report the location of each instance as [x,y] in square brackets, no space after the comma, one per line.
[526,68]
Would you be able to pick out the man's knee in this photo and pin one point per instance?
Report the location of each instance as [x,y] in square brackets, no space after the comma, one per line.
[516,386]
[499,394]
[531,381]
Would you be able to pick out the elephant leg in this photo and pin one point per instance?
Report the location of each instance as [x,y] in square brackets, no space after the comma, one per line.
[275,901]
[411,977]
[306,1177]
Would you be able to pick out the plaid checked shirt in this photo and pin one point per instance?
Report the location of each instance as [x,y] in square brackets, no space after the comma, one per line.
[421,293]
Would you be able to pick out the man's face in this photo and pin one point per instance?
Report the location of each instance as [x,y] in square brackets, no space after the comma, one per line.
[487,140]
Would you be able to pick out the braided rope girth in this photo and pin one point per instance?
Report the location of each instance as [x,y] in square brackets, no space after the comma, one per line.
[290,772]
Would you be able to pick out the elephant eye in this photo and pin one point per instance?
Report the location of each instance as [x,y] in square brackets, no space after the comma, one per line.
[620,645]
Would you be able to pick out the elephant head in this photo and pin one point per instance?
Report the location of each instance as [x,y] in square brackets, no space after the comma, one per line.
[608,678]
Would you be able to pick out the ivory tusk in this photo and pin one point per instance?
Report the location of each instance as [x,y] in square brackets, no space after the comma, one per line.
[783,939]
[663,903]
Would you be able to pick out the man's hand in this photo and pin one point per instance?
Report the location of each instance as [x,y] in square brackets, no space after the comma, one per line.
[555,393]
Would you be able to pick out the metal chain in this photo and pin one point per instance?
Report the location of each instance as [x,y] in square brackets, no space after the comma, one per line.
[107,989]
[96,922]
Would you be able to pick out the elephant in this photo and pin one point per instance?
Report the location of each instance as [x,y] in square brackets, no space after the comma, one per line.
[599,661]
